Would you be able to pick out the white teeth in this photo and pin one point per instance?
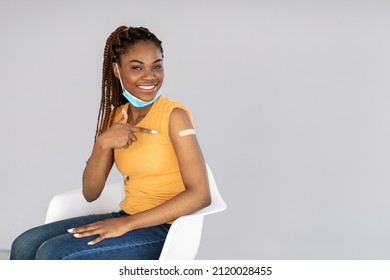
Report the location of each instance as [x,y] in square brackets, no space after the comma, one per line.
[147,87]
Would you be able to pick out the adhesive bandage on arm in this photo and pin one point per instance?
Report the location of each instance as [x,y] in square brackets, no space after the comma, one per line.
[186,132]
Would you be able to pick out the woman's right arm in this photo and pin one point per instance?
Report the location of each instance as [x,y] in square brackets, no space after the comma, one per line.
[102,158]
[118,136]
[97,169]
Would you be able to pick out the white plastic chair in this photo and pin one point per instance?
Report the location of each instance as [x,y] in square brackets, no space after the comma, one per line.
[183,239]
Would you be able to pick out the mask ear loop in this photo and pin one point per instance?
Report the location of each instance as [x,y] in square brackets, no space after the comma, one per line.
[120,79]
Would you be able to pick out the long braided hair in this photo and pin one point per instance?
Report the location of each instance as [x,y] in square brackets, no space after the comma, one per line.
[118,44]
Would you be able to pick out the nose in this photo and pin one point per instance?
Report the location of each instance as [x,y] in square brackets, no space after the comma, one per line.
[148,75]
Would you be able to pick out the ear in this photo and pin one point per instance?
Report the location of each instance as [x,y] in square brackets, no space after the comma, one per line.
[115,68]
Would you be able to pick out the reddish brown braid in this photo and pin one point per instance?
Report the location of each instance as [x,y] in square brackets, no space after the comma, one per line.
[117,44]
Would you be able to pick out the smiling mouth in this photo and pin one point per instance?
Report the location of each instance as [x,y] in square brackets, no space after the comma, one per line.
[147,87]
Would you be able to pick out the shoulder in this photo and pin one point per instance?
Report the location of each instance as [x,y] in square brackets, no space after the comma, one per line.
[179,121]
[179,115]
[171,115]
[175,110]
[168,103]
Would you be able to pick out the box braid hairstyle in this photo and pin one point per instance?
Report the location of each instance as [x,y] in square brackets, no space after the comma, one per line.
[118,44]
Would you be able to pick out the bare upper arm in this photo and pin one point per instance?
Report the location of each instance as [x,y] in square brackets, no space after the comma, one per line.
[188,151]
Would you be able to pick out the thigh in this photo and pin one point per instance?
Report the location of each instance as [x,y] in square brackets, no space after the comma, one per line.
[141,244]
[26,245]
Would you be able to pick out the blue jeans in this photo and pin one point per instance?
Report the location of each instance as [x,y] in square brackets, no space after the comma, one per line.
[53,242]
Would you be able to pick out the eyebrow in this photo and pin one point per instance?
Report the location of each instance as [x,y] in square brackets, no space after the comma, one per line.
[140,62]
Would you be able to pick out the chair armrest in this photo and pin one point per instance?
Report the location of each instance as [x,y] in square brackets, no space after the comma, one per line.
[72,203]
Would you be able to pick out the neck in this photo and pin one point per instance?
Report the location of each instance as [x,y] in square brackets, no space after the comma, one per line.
[137,114]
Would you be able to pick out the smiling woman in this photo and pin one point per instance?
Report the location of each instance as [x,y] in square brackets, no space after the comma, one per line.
[140,131]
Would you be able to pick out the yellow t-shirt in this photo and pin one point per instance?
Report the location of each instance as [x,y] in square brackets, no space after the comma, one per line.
[150,166]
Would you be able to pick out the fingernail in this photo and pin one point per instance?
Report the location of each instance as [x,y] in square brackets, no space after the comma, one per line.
[90,243]
[153,131]
[70,230]
[76,235]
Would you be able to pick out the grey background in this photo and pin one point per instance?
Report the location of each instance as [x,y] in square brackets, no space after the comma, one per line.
[290,98]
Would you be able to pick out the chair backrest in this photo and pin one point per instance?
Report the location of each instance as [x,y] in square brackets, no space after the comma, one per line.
[183,239]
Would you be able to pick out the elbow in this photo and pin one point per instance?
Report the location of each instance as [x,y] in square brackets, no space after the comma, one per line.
[199,201]
[89,198]
[205,201]
[90,195]
[203,198]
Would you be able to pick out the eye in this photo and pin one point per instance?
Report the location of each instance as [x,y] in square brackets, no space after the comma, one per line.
[158,67]
[136,68]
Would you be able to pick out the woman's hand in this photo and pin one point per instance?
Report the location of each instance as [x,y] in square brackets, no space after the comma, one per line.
[120,135]
[108,228]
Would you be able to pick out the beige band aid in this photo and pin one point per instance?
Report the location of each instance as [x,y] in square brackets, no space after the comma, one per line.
[187,132]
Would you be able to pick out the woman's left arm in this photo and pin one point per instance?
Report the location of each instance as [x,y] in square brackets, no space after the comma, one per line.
[195,196]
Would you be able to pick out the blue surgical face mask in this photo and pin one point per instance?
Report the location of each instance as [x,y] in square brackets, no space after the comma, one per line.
[136,102]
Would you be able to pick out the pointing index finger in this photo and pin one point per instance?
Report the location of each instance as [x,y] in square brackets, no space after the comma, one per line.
[143,130]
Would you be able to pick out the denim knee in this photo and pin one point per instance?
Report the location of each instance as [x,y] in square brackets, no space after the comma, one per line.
[47,252]
[23,248]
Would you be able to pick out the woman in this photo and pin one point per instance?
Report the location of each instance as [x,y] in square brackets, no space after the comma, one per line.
[152,142]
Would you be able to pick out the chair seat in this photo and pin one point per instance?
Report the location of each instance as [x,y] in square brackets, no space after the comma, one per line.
[183,239]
